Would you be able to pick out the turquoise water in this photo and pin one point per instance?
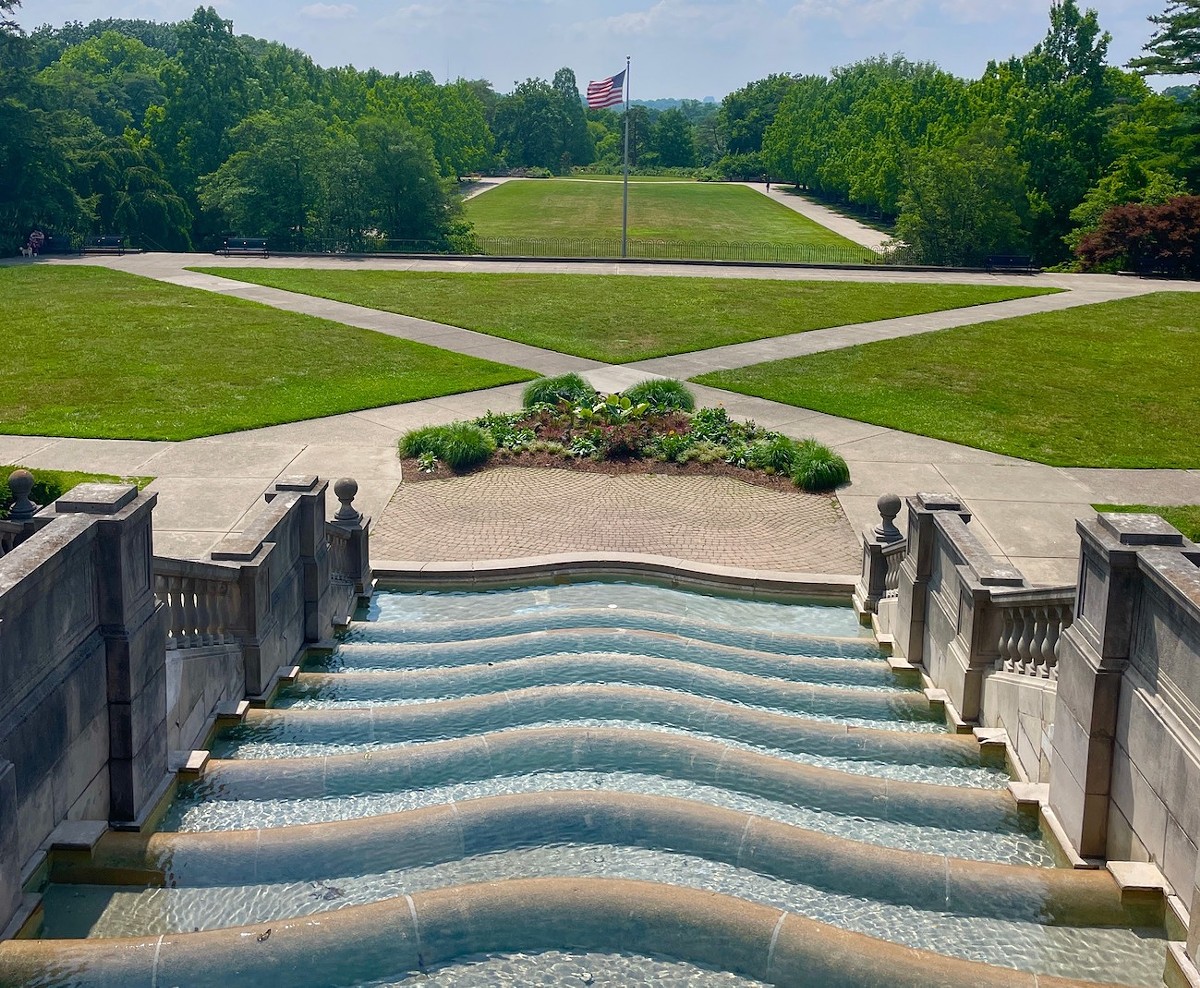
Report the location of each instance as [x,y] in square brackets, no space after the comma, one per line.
[797,687]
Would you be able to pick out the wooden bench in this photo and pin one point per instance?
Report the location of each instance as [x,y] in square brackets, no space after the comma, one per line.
[105,245]
[244,245]
[1015,263]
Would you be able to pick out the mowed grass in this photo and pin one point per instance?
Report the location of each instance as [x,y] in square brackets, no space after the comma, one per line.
[1185,517]
[628,318]
[1109,385]
[588,177]
[95,353]
[658,210]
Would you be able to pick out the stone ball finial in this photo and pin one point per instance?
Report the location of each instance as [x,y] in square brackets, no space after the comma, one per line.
[345,490]
[889,508]
[20,482]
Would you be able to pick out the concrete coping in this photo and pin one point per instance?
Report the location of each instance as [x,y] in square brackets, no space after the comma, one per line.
[1144,529]
[96,499]
[580,565]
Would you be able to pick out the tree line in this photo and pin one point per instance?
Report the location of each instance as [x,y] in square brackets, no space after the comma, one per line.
[179,133]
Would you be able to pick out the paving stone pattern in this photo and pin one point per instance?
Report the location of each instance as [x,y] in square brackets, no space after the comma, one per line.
[512,512]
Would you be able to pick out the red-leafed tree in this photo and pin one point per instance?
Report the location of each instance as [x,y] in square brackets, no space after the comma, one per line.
[1161,239]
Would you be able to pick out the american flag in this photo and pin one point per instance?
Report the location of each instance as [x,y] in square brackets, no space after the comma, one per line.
[606,92]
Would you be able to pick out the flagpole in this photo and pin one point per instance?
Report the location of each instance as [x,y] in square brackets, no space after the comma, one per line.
[625,199]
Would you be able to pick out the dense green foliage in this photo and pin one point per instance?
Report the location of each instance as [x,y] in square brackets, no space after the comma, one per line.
[1099,386]
[460,445]
[179,133]
[571,388]
[617,320]
[619,428]
[663,394]
[101,354]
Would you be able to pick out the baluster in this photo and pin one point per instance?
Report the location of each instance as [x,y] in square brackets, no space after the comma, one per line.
[1006,645]
[1024,638]
[204,613]
[190,624]
[175,605]
[1037,640]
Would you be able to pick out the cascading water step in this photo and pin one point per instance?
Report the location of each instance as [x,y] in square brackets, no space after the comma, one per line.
[621,770]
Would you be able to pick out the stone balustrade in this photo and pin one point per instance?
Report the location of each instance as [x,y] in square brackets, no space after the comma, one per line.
[201,601]
[1031,625]
[112,658]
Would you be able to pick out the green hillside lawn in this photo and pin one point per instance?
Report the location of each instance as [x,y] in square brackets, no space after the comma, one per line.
[629,318]
[95,353]
[1109,385]
[660,210]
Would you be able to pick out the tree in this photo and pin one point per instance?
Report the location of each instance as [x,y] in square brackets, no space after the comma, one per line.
[672,140]
[1162,239]
[1175,47]
[576,142]
[964,202]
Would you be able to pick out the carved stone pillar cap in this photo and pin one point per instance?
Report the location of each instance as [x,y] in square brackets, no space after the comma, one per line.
[889,508]
[345,490]
[20,482]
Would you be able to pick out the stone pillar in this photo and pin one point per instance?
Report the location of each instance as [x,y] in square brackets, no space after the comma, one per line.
[358,527]
[913,593]
[10,862]
[1093,655]
[870,589]
[133,626]
[314,555]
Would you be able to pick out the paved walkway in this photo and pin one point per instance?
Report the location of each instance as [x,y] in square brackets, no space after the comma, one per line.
[515,512]
[209,487]
[844,226]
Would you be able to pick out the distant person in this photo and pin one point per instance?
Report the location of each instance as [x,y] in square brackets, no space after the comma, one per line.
[768,183]
[36,240]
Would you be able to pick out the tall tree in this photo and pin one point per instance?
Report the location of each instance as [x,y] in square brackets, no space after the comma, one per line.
[1175,47]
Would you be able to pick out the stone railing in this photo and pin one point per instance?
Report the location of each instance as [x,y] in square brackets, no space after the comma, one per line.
[1031,626]
[113,661]
[21,522]
[893,557]
[200,599]
[1096,687]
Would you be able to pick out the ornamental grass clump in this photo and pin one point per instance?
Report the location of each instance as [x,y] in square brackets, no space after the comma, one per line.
[818,468]
[460,445]
[662,395]
[774,454]
[569,388]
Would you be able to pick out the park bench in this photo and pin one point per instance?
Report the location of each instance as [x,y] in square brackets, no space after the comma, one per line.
[109,244]
[244,245]
[57,244]
[1015,263]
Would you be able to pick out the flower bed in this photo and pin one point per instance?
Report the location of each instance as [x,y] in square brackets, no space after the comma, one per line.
[650,426]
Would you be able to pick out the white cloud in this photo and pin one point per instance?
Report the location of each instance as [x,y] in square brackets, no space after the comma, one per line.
[329,11]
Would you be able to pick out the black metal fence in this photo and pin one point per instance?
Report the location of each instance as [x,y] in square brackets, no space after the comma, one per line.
[638,248]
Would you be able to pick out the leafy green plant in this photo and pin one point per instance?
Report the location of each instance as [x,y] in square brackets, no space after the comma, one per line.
[614,408]
[818,468]
[775,453]
[662,395]
[713,424]
[569,388]
[460,445]
[427,463]
[668,446]
[705,451]
[582,446]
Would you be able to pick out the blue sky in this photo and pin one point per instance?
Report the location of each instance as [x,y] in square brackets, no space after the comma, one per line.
[681,48]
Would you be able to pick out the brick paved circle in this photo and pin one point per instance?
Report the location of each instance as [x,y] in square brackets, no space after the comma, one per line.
[511,512]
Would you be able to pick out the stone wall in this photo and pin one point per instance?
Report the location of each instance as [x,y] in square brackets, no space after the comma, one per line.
[111,658]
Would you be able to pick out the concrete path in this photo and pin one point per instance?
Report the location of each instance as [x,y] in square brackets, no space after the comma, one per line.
[209,487]
[844,226]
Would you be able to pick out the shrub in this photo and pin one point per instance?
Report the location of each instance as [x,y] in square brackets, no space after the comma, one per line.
[774,454]
[818,468]
[1148,239]
[460,445]
[668,446]
[712,424]
[571,388]
[664,395]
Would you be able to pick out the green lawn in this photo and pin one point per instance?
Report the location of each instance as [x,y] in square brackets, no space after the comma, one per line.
[629,318]
[660,210]
[1110,385]
[588,177]
[101,354]
[1184,517]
